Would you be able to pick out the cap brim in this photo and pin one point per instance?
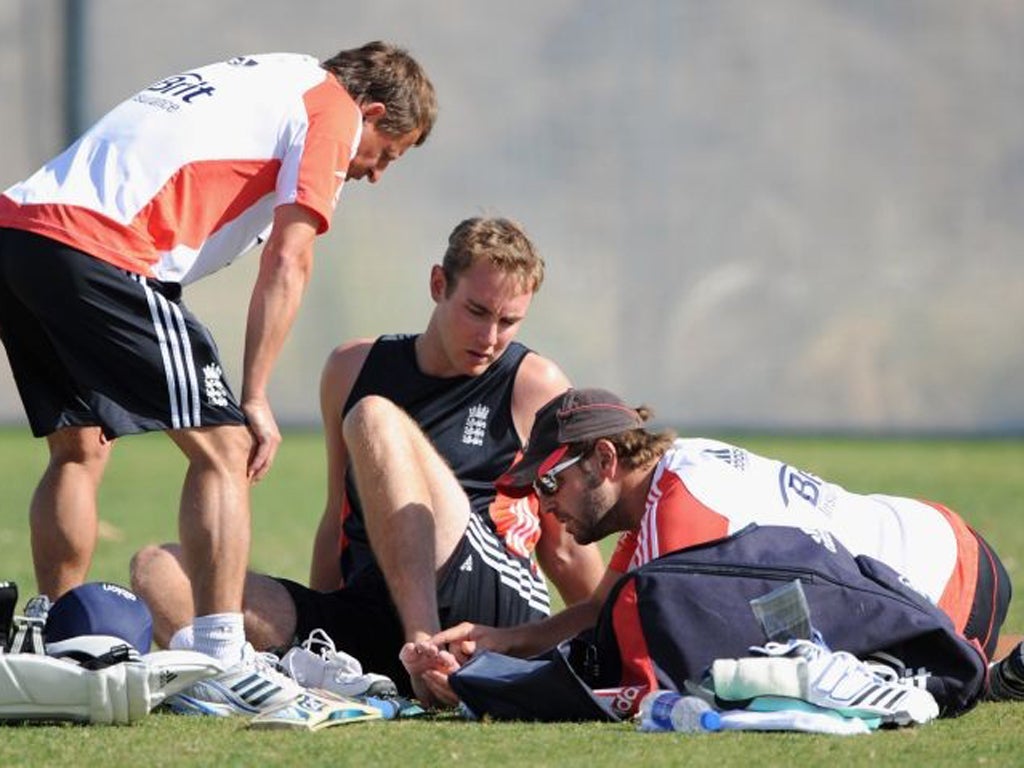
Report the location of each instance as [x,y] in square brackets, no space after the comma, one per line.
[518,481]
[510,485]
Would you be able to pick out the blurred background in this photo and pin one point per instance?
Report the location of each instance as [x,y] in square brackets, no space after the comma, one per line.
[800,215]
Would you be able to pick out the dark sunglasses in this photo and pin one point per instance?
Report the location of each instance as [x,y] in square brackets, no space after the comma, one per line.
[547,484]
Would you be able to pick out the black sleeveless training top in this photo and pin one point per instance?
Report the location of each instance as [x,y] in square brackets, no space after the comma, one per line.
[467,418]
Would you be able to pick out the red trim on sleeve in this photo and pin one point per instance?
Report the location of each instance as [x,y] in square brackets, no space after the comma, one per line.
[624,549]
[333,118]
[682,520]
[674,519]
[637,668]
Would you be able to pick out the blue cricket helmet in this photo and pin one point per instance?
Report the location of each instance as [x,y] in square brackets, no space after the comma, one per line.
[100,608]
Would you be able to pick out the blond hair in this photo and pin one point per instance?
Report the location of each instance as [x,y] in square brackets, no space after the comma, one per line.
[502,242]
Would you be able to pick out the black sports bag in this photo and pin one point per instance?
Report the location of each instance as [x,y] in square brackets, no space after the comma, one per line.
[665,622]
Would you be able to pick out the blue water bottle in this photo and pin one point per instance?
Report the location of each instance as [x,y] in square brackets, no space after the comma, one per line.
[672,711]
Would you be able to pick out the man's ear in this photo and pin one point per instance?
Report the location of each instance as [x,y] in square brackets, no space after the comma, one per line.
[438,283]
[373,111]
[607,457]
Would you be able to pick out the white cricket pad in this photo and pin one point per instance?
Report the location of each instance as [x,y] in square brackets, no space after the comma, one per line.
[40,688]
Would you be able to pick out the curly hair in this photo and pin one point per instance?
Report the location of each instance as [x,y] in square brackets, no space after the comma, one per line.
[636,448]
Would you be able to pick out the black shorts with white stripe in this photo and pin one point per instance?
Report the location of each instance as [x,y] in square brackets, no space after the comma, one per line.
[485,583]
[94,345]
[482,583]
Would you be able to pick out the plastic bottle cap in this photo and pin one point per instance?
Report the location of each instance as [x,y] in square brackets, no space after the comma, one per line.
[710,720]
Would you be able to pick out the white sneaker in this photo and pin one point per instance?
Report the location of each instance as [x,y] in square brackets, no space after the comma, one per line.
[251,686]
[318,664]
[840,681]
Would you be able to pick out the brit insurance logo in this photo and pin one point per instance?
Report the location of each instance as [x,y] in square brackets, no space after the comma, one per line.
[476,425]
[186,86]
[172,92]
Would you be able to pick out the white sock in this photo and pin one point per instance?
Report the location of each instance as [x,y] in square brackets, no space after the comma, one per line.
[220,635]
[182,640]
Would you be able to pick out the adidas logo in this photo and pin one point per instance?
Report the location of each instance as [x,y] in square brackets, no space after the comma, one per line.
[166,677]
[467,564]
[822,537]
[255,690]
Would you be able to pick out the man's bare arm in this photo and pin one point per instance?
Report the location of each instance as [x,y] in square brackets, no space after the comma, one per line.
[336,381]
[285,266]
[527,639]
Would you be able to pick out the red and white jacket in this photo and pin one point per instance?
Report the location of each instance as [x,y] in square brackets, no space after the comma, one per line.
[704,489]
[183,177]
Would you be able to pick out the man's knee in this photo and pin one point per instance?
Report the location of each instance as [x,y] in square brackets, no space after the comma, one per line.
[271,615]
[373,415]
[79,445]
[224,448]
[149,566]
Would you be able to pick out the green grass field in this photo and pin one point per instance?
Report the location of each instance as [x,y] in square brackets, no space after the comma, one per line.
[983,479]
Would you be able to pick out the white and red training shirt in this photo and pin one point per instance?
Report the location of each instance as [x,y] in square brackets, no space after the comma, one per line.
[182,178]
[705,489]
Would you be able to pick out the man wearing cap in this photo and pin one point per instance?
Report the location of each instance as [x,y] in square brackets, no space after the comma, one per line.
[597,469]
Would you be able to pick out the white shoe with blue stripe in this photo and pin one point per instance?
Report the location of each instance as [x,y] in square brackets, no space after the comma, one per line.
[251,686]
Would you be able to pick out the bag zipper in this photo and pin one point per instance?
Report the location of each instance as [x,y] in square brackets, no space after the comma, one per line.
[774,572]
[771,572]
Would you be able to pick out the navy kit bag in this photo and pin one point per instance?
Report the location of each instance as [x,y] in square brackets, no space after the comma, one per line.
[667,621]
[544,688]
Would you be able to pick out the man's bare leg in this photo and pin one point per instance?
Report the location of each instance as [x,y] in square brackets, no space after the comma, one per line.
[213,518]
[159,578]
[415,510]
[63,514]
[214,530]
[1006,644]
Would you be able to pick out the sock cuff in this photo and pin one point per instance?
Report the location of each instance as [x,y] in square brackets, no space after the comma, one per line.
[221,635]
[218,620]
[182,639]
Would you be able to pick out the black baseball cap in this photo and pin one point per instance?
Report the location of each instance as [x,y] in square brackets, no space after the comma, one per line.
[575,415]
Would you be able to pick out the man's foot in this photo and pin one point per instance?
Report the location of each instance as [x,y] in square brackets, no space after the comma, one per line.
[318,664]
[252,685]
[428,669]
